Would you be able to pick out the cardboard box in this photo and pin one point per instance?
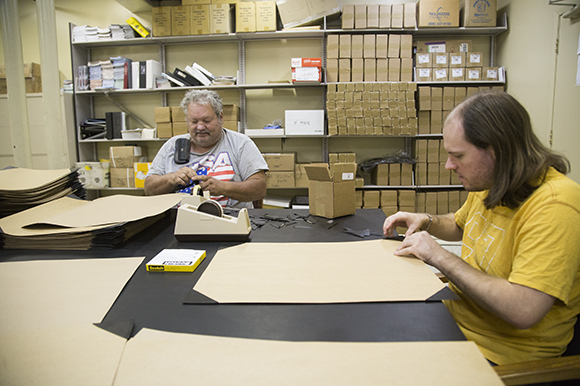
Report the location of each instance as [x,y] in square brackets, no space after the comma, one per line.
[395,174]
[394,46]
[457,59]
[234,126]
[448,98]
[200,19]
[331,191]
[194,2]
[473,74]
[380,175]
[397,16]
[357,70]
[164,130]
[280,180]
[410,15]
[440,74]
[126,156]
[347,18]
[371,199]
[140,169]
[162,114]
[304,122]
[436,98]
[300,175]
[32,78]
[372,15]
[478,13]
[246,16]
[457,74]
[370,71]
[438,13]
[231,112]
[474,59]
[280,162]
[265,16]
[423,60]
[94,174]
[180,20]
[295,13]
[221,19]
[385,16]
[382,70]
[360,16]
[440,60]
[332,47]
[161,21]
[394,70]
[406,46]
[344,70]
[344,49]
[177,114]
[369,46]
[490,74]
[406,70]
[179,127]
[122,178]
[424,74]
[306,74]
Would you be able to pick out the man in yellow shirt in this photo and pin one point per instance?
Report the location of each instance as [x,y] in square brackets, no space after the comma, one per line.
[518,276]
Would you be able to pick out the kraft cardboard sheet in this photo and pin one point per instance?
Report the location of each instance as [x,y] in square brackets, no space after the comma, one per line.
[361,271]
[67,215]
[156,357]
[29,179]
[46,324]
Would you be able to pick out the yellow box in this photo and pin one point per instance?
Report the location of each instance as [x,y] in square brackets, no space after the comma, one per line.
[221,19]
[140,169]
[200,19]
[180,21]
[265,16]
[161,21]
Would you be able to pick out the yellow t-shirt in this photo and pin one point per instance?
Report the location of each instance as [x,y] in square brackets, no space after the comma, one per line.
[536,245]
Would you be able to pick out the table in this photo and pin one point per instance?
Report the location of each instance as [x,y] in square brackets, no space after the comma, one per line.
[155,300]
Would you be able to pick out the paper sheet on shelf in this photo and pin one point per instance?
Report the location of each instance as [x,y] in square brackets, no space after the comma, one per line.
[362,271]
[46,323]
[156,357]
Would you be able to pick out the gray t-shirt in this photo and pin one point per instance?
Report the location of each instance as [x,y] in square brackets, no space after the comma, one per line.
[234,158]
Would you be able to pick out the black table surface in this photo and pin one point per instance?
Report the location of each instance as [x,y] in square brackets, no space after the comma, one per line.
[156,300]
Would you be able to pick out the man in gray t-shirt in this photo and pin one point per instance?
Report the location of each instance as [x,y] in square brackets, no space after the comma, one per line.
[225,163]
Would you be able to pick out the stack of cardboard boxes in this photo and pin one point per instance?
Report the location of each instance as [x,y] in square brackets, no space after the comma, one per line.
[369,58]
[171,121]
[453,66]
[122,162]
[201,17]
[32,78]
[371,108]
[378,16]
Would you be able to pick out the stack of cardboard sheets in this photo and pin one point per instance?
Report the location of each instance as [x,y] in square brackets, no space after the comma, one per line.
[74,224]
[22,189]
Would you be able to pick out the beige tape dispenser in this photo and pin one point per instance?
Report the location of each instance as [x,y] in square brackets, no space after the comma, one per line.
[200,218]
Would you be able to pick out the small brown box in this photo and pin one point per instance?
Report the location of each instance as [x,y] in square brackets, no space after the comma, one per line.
[332,46]
[369,46]
[424,74]
[360,16]
[457,74]
[344,51]
[474,59]
[372,15]
[347,19]
[382,70]
[280,180]
[424,98]
[394,46]
[406,70]
[246,16]
[457,59]
[380,175]
[410,15]
[397,16]
[473,74]
[265,16]
[356,46]
[371,199]
[122,177]
[406,46]
[231,112]
[382,46]
[280,162]
[459,95]
[448,98]
[394,174]
[164,130]
[394,70]
[161,21]
[179,128]
[180,20]
[384,16]
[424,60]
[162,114]
[440,60]
[200,19]
[344,72]
[436,98]
[357,70]
[440,74]
[490,74]
[177,114]
[370,71]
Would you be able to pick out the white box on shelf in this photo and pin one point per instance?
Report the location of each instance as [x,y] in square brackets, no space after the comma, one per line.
[304,122]
[252,133]
[131,134]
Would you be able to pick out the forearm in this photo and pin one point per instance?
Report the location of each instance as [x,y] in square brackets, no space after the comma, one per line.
[155,184]
[252,189]
[518,305]
[443,227]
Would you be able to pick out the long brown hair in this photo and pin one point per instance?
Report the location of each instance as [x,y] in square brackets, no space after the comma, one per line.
[496,119]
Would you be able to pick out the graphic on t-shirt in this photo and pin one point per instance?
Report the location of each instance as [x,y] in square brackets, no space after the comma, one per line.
[482,242]
[219,167]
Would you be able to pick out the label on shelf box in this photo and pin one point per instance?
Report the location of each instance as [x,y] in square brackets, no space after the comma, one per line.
[306,62]
[306,74]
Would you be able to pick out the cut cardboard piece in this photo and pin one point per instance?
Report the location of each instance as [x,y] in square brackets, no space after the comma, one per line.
[228,360]
[316,273]
[331,192]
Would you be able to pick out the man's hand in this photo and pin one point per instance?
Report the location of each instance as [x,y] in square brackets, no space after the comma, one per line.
[169,182]
[213,185]
[413,221]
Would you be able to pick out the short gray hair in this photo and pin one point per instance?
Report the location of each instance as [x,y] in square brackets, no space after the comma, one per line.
[202,97]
